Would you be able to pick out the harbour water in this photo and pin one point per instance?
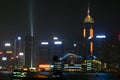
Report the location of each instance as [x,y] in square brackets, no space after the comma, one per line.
[74,76]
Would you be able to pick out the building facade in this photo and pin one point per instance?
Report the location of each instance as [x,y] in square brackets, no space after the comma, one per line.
[29,51]
[88,34]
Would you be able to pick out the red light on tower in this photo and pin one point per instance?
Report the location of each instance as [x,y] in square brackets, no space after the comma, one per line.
[1,52]
[17,56]
[12,58]
[118,36]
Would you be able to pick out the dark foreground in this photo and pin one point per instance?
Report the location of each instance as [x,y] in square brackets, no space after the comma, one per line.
[66,76]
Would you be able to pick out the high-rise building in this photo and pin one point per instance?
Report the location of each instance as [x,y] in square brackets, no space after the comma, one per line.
[29,51]
[50,48]
[111,49]
[88,34]
[44,53]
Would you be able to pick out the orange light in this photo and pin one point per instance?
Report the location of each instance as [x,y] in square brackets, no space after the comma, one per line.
[91,47]
[84,32]
[44,66]
[91,32]
[9,52]
[25,69]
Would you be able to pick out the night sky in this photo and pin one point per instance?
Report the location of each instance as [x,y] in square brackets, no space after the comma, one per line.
[56,17]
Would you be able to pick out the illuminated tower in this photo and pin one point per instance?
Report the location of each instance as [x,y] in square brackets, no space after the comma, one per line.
[30,59]
[88,34]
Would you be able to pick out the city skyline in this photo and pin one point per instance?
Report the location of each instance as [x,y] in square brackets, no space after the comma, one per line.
[56,18]
[79,23]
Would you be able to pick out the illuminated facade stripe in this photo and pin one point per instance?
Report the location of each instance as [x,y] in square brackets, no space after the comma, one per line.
[91,48]
[91,32]
[84,32]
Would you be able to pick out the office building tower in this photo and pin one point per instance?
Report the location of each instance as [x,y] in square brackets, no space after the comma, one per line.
[88,34]
[29,51]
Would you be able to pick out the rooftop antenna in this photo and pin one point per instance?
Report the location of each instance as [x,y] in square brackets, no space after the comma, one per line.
[88,11]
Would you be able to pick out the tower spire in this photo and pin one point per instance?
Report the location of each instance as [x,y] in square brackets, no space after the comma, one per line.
[88,11]
[88,18]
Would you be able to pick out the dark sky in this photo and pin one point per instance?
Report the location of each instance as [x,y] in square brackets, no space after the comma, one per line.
[56,17]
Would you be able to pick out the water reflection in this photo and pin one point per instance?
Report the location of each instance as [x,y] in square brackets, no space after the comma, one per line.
[95,76]
[78,76]
[100,78]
